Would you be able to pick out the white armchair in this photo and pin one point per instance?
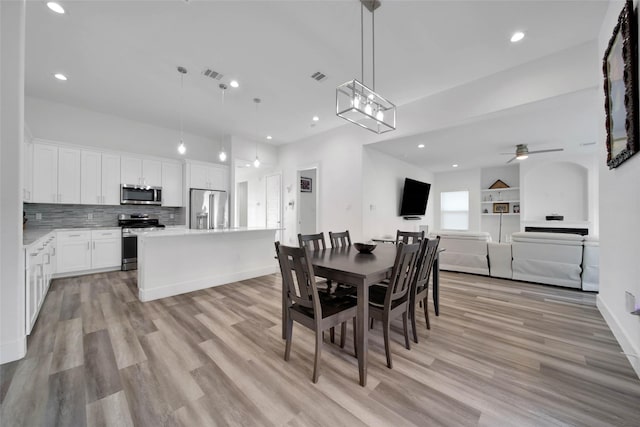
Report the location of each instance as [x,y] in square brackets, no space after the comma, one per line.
[464,251]
[550,258]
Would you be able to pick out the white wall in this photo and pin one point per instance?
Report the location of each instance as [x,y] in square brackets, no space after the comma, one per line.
[12,292]
[464,180]
[307,205]
[568,186]
[619,229]
[256,196]
[383,181]
[337,155]
[65,123]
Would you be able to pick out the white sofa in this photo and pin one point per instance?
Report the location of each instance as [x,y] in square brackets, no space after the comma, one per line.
[464,251]
[591,264]
[550,258]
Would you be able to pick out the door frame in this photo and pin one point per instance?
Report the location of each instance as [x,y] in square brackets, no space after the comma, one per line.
[318,188]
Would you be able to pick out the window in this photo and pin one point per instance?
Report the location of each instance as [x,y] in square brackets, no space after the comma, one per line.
[454,210]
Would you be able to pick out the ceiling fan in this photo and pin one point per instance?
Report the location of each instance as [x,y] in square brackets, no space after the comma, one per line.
[522,152]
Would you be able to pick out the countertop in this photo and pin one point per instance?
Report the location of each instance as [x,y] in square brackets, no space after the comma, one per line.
[180,231]
[30,236]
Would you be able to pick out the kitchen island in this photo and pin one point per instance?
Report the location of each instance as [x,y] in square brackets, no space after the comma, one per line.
[179,260]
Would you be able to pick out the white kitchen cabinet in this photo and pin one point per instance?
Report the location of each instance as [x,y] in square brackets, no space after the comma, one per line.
[106,247]
[172,184]
[74,251]
[45,173]
[138,171]
[27,172]
[40,259]
[209,176]
[100,178]
[56,174]
[68,175]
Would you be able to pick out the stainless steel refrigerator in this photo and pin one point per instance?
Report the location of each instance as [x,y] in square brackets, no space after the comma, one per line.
[208,209]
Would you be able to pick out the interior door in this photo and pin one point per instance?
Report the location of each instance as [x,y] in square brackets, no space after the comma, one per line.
[274,203]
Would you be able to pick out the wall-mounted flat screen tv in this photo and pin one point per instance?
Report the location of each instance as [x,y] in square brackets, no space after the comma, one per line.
[414,197]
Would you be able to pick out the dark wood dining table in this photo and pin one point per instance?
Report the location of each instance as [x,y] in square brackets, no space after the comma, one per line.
[346,265]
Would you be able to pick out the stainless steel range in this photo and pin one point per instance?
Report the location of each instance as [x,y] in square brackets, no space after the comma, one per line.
[129,224]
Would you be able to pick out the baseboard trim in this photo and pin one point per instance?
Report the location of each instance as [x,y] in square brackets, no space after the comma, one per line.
[13,350]
[207,282]
[621,336]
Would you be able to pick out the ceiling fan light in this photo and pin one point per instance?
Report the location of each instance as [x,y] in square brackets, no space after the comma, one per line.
[522,156]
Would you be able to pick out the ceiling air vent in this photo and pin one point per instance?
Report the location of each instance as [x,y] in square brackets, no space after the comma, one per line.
[318,76]
[208,72]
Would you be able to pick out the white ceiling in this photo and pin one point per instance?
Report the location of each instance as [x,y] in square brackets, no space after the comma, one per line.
[121,58]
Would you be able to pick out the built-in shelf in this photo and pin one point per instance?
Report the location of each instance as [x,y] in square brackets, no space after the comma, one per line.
[493,190]
[489,202]
[504,214]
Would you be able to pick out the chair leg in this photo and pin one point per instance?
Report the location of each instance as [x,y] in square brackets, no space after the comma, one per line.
[288,337]
[343,334]
[316,362]
[371,323]
[332,335]
[426,313]
[385,329]
[355,338]
[412,315]
[406,330]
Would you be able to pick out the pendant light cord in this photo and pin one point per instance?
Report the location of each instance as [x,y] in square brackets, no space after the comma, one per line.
[373,46]
[362,42]
[181,107]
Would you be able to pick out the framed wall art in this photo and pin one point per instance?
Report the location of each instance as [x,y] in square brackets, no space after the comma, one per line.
[306,184]
[621,89]
[501,208]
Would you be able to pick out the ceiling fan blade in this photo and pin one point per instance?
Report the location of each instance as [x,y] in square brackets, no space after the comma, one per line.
[510,154]
[512,159]
[546,151]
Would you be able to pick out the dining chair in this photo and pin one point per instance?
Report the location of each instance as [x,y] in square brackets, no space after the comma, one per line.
[306,305]
[388,301]
[409,237]
[340,239]
[420,285]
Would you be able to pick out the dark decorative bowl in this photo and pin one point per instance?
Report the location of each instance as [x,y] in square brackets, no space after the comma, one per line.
[365,248]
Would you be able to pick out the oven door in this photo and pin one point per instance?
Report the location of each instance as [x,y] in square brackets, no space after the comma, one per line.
[129,251]
[140,195]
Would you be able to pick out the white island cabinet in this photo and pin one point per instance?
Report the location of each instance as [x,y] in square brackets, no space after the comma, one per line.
[176,261]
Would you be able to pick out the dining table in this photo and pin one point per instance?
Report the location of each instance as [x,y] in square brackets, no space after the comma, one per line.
[348,266]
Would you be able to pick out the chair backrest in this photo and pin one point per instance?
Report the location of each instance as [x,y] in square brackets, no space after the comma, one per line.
[409,237]
[313,242]
[340,239]
[428,252]
[297,276]
[402,274]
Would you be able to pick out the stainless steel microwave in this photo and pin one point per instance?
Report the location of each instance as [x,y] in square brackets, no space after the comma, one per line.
[140,195]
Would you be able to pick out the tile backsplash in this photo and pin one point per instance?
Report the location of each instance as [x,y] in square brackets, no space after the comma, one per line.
[68,216]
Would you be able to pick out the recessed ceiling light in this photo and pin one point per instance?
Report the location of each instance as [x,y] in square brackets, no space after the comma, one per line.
[420,145]
[55,7]
[455,166]
[316,118]
[269,137]
[234,83]
[517,36]
[60,76]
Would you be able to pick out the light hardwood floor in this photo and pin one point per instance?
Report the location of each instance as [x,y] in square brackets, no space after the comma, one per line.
[500,353]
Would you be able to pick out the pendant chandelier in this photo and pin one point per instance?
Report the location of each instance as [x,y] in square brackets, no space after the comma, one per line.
[358,103]
[181,147]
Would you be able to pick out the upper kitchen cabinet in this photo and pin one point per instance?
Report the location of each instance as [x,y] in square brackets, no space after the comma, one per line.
[56,174]
[208,176]
[172,184]
[139,171]
[100,178]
